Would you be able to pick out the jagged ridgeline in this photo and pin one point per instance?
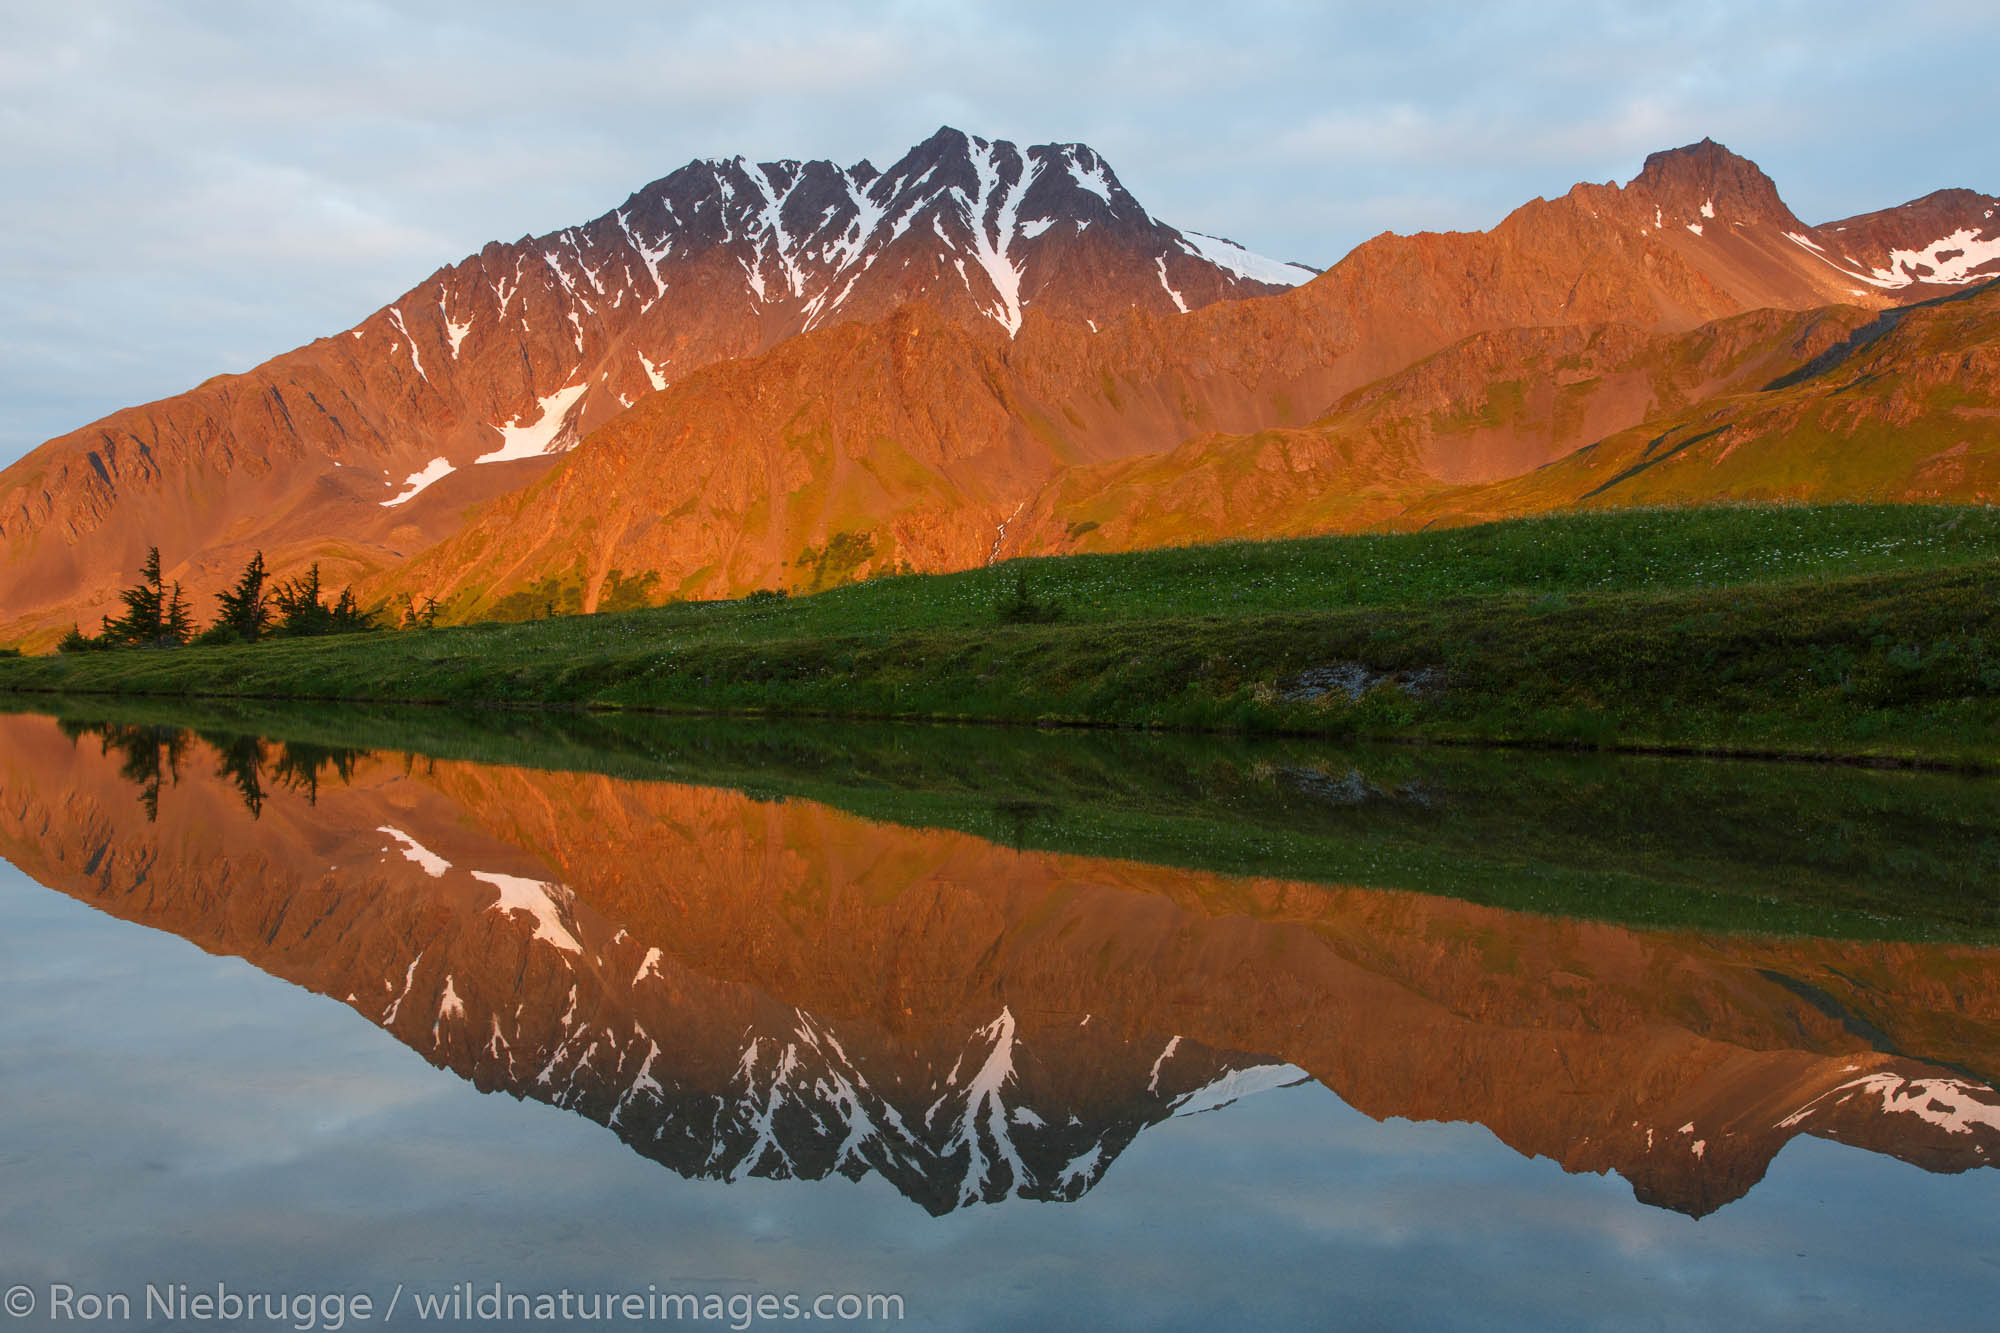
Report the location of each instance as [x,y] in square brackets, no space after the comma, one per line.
[362,447]
[789,374]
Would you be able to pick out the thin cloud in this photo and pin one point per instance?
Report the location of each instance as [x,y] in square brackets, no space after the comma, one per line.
[193,189]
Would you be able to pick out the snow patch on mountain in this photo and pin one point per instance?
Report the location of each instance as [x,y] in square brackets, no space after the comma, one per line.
[397,315]
[538,900]
[841,1088]
[1237,1084]
[409,980]
[764,1118]
[653,372]
[649,260]
[1093,177]
[428,861]
[453,330]
[994,215]
[770,235]
[1954,1106]
[449,1006]
[519,439]
[643,1084]
[1084,1167]
[1153,1079]
[434,471]
[1179,304]
[982,1127]
[1951,261]
[1227,255]
[554,259]
[851,252]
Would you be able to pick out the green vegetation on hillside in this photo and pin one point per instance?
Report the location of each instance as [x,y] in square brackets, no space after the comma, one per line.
[1849,630]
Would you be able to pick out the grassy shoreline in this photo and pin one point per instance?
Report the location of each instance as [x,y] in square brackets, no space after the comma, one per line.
[1975,760]
[1856,633]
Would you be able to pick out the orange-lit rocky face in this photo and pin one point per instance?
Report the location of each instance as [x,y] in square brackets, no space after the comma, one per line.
[795,374]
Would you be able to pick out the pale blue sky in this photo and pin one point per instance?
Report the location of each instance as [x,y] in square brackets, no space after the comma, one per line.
[193,188]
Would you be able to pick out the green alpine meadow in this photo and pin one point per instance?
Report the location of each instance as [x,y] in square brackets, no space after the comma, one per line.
[1841,631]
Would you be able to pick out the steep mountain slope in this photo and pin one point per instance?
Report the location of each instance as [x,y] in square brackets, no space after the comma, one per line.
[1906,408]
[1082,333]
[1590,288]
[845,451]
[1493,405]
[774,988]
[361,448]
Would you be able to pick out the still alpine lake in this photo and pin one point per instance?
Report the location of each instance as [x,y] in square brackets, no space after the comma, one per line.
[341,1019]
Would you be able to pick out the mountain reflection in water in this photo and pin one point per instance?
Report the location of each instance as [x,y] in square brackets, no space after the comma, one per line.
[780,988]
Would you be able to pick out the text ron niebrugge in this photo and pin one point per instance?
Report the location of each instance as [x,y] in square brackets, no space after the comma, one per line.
[330,1312]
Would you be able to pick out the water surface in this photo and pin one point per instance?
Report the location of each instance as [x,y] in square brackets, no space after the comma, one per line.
[1027,1031]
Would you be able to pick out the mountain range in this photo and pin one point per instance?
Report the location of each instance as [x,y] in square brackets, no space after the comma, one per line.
[792,374]
[751,987]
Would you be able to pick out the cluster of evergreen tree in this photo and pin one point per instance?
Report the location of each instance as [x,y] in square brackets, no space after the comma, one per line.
[157,616]
[300,613]
[421,616]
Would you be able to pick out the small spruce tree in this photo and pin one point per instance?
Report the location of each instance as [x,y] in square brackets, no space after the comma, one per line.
[421,617]
[300,613]
[143,624]
[245,612]
[177,620]
[347,617]
[76,641]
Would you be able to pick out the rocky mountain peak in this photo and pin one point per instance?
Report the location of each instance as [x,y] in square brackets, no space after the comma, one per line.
[957,217]
[370,446]
[1702,181]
